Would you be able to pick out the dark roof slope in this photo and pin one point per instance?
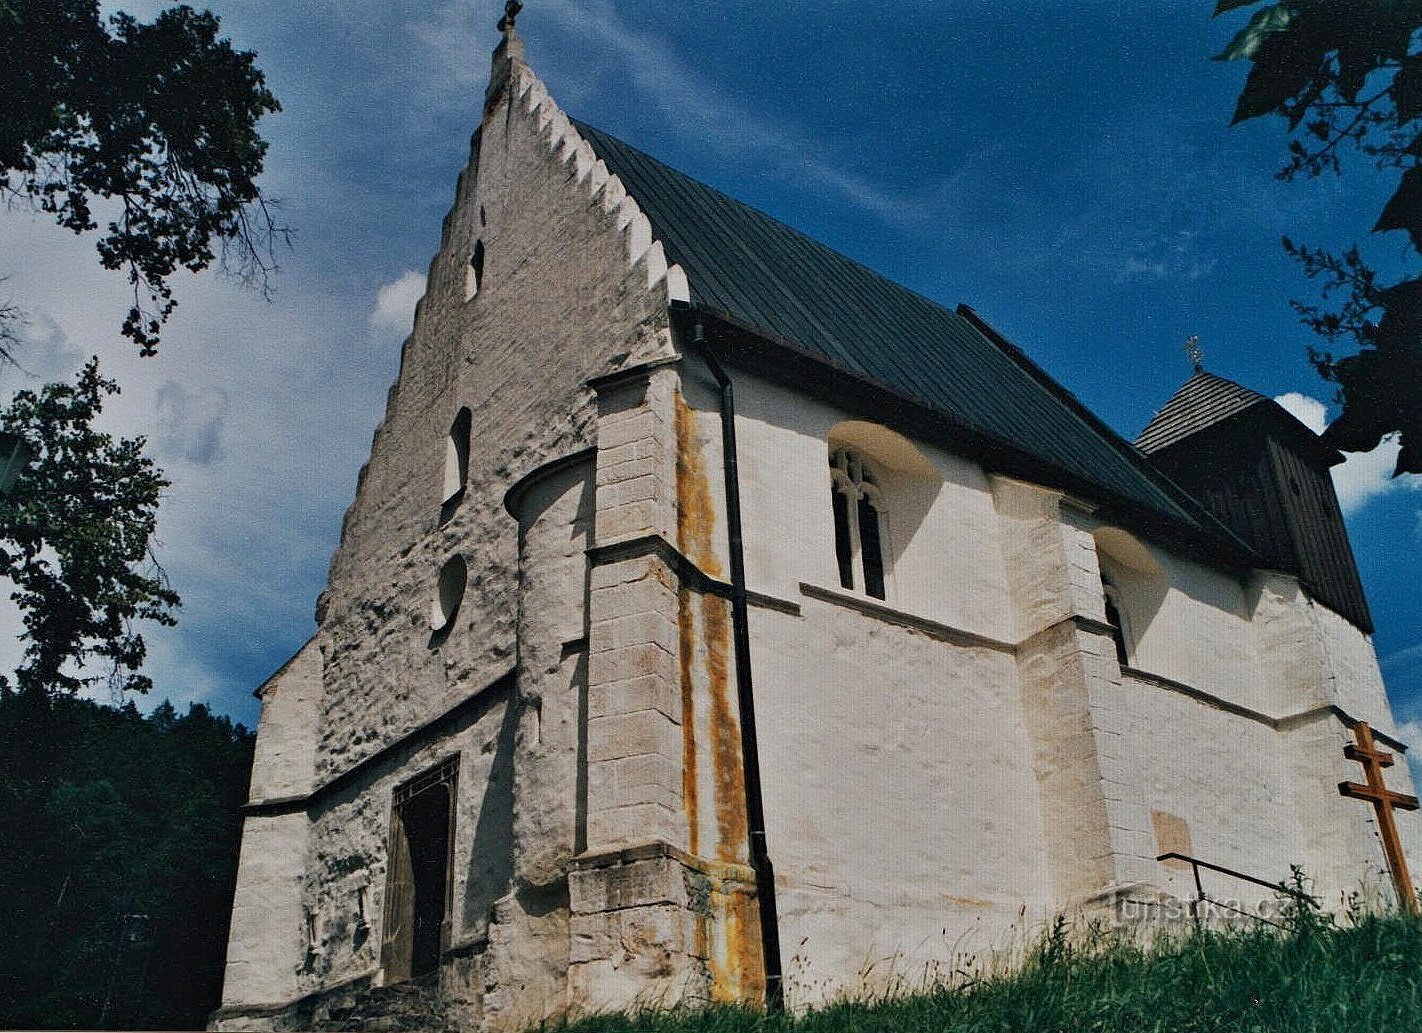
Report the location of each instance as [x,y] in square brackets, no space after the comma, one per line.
[777,282]
[1201,402]
[1206,400]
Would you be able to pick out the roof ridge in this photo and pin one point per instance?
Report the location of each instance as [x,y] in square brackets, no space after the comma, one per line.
[1084,412]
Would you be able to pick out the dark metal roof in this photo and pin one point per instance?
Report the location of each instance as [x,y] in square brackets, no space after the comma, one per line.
[1201,402]
[775,281]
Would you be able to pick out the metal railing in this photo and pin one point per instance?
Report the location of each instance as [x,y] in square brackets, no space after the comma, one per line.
[1202,898]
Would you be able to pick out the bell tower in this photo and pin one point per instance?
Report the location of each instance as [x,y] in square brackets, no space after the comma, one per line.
[1266,477]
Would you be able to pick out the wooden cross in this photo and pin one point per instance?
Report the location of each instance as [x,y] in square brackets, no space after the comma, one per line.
[1384,802]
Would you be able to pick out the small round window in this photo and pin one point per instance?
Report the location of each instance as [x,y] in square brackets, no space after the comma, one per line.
[452,578]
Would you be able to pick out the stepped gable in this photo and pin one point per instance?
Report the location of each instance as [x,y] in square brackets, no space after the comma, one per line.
[758,274]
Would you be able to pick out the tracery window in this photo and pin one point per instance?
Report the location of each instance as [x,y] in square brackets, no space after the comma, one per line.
[859,523]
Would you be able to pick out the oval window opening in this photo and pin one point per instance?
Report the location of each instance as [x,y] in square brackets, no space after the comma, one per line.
[452,578]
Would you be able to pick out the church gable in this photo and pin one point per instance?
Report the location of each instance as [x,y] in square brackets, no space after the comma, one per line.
[547,275]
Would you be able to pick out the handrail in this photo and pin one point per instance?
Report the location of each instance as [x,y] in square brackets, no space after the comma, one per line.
[1196,864]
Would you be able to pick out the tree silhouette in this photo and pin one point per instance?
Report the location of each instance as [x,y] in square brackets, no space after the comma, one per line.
[1346,75]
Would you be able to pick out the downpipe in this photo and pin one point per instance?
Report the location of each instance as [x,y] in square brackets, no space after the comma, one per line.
[745,693]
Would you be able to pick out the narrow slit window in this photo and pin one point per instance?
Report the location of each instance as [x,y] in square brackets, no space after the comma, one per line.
[1111,596]
[859,533]
[456,456]
[475,274]
[872,548]
[844,552]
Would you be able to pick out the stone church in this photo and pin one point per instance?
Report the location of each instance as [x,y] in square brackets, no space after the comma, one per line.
[718,620]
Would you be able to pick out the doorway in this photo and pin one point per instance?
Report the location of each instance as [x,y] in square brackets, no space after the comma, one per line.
[417,883]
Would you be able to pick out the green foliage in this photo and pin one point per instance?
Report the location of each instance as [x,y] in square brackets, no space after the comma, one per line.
[158,117]
[1346,75]
[1316,976]
[118,862]
[74,540]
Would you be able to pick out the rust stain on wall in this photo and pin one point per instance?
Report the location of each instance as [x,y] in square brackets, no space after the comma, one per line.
[739,975]
[695,510]
[731,825]
[696,524]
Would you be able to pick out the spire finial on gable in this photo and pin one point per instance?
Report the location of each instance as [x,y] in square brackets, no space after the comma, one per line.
[1195,353]
[506,23]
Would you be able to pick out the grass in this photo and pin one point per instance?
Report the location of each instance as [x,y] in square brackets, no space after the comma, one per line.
[1315,975]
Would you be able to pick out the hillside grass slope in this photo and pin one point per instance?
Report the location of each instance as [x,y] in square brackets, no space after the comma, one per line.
[1315,975]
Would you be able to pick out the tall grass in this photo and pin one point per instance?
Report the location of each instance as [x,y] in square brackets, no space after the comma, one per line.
[1311,976]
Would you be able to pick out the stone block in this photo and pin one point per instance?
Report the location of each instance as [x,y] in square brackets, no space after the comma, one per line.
[627,735]
[593,937]
[628,520]
[649,692]
[656,880]
[617,429]
[634,629]
[621,665]
[613,456]
[650,778]
[634,568]
[611,826]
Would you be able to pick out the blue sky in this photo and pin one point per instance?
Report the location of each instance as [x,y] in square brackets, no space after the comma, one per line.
[1066,169]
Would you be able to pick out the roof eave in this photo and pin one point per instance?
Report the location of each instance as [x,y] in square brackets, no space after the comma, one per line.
[789,362]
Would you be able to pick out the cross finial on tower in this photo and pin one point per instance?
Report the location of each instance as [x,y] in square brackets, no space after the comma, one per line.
[506,23]
[1195,353]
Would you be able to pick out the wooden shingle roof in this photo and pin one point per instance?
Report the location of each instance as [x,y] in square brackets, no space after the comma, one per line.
[1206,400]
[1201,402]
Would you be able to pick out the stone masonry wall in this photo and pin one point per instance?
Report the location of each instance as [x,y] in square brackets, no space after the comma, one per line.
[573,286]
[559,302]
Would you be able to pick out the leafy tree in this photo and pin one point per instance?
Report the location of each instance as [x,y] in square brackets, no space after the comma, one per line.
[75,537]
[119,861]
[157,118]
[1346,75]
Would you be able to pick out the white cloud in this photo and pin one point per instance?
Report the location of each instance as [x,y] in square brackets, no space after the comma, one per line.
[1312,413]
[395,303]
[192,422]
[1362,476]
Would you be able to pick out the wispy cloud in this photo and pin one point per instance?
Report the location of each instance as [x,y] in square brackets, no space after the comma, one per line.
[192,421]
[1362,476]
[689,103]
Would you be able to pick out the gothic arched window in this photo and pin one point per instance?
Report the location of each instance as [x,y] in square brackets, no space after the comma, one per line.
[859,530]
